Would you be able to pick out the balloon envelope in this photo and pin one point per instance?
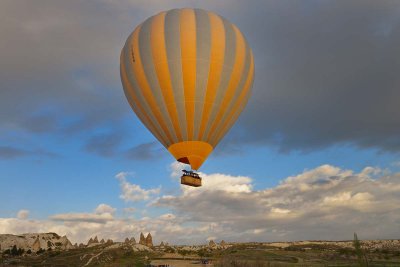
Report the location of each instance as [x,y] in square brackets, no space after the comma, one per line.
[187,74]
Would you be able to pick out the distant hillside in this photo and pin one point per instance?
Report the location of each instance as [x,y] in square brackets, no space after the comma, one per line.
[34,242]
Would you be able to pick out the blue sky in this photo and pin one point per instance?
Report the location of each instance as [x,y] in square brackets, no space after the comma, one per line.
[325,100]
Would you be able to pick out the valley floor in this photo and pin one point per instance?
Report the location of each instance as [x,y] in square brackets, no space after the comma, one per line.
[242,254]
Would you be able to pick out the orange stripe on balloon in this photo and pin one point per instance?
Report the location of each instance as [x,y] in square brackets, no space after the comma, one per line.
[234,81]
[188,53]
[162,70]
[144,85]
[216,64]
[238,106]
[136,105]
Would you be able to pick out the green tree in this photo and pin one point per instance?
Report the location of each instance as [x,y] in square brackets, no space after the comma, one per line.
[362,258]
[14,251]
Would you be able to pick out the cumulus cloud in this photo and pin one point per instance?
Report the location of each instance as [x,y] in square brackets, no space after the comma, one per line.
[323,203]
[104,208]
[23,214]
[82,217]
[326,202]
[102,214]
[133,192]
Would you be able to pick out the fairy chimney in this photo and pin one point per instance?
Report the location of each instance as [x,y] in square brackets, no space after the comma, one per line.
[142,240]
[211,243]
[149,241]
[90,241]
[126,240]
[133,241]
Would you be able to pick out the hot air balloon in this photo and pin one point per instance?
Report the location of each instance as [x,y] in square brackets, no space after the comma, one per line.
[187,74]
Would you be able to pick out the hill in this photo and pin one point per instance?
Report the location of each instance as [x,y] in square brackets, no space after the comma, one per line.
[34,242]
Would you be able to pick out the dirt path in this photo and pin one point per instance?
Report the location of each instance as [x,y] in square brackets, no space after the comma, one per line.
[90,260]
[180,263]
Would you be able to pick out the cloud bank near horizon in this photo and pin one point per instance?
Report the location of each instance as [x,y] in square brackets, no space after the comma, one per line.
[322,203]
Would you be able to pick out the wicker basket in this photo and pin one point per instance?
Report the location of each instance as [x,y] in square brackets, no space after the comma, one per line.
[191,181]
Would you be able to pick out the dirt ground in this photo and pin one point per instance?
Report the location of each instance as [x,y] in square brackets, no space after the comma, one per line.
[180,263]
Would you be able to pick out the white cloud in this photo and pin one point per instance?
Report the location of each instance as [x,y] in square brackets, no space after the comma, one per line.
[133,192]
[83,217]
[323,203]
[23,214]
[176,169]
[104,208]
[280,211]
[102,214]
[214,182]
[167,217]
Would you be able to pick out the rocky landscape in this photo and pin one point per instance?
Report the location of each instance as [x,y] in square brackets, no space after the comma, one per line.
[29,243]
[50,249]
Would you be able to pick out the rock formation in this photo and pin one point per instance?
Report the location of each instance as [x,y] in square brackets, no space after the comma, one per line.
[212,243]
[109,242]
[142,240]
[126,240]
[90,241]
[81,245]
[93,242]
[34,242]
[133,241]
[102,241]
[162,244]
[222,243]
[149,241]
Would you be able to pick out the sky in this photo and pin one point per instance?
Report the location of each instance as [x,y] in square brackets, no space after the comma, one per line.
[315,154]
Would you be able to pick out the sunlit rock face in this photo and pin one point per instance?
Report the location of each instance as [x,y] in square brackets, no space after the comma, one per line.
[35,241]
